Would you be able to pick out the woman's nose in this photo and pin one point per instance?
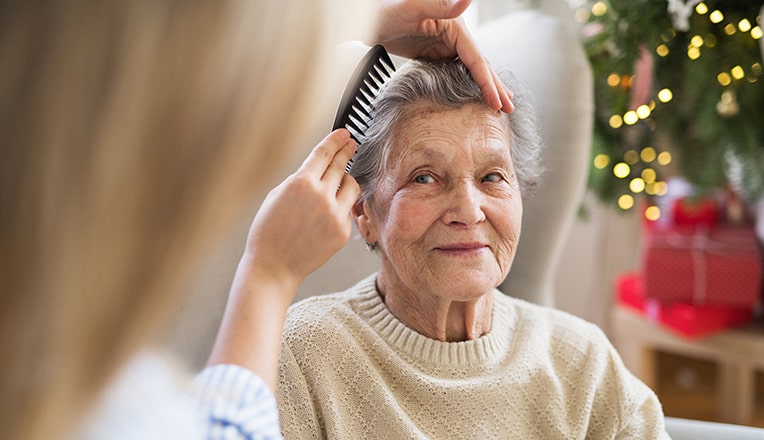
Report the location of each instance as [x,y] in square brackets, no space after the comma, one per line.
[465,205]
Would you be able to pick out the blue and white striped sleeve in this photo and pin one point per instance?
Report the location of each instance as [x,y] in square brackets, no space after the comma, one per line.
[236,404]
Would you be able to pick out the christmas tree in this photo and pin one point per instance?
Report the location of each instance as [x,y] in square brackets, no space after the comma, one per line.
[679,90]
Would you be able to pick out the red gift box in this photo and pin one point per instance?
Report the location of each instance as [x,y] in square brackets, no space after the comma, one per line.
[716,266]
[695,211]
[687,320]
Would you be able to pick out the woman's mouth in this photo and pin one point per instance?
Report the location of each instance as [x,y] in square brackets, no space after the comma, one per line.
[462,249]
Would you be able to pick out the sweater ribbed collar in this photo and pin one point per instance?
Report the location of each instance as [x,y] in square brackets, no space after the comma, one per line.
[487,349]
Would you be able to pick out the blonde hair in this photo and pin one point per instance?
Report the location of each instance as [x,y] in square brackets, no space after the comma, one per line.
[131,131]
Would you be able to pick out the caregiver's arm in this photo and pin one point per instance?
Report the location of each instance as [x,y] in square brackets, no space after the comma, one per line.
[301,224]
[434,29]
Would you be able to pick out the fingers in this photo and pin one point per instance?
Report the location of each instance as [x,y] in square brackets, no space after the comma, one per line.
[436,8]
[496,95]
[334,173]
[505,95]
[348,192]
[324,153]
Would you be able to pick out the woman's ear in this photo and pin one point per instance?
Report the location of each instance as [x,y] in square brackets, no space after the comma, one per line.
[363,221]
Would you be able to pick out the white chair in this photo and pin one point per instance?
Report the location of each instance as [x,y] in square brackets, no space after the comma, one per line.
[685,429]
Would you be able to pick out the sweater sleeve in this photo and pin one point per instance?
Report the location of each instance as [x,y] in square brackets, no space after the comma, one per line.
[645,419]
[641,413]
[295,402]
[235,403]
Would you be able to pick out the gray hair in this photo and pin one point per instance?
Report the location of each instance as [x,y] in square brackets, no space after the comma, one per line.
[446,84]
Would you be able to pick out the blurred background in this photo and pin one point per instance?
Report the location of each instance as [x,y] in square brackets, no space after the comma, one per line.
[650,222]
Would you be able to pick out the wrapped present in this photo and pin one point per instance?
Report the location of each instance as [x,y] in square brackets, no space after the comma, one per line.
[686,320]
[696,211]
[702,266]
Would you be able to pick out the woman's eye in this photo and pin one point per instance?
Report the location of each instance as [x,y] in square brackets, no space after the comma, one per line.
[423,178]
[493,177]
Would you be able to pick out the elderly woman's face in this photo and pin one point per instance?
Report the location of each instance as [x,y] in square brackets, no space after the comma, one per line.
[447,212]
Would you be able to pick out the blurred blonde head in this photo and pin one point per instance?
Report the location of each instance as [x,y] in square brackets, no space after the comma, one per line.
[131,131]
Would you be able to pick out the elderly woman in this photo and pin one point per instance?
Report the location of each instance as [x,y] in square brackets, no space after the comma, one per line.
[428,348]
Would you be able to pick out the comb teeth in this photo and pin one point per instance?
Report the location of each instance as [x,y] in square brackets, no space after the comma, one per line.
[354,112]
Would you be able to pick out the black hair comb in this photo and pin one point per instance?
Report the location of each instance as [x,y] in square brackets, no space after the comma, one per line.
[354,112]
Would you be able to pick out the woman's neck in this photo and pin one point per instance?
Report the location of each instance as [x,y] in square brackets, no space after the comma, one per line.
[439,318]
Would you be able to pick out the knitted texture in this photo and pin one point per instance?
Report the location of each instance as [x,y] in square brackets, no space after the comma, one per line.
[351,370]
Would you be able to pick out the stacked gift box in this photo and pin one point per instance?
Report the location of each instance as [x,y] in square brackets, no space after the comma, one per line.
[700,272]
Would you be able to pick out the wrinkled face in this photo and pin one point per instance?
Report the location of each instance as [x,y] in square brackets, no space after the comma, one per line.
[447,212]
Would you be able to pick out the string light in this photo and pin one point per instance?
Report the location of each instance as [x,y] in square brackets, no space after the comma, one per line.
[616,121]
[756,33]
[601,161]
[710,40]
[724,79]
[643,111]
[737,72]
[630,117]
[599,9]
[613,80]
[729,29]
[665,95]
[621,170]
[637,185]
[756,69]
[696,41]
[625,202]
[631,157]
[693,53]
[716,16]
[649,175]
[744,25]
[701,8]
[664,158]
[662,50]
[661,188]
[652,213]
[647,154]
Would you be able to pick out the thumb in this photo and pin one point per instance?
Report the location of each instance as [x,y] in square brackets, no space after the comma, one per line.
[440,9]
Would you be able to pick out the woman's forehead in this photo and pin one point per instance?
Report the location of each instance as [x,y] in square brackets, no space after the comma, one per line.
[426,129]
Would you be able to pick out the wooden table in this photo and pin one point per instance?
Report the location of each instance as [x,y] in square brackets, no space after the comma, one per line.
[738,352]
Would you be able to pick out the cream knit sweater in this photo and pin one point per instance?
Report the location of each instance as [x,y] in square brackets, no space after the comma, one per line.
[351,370]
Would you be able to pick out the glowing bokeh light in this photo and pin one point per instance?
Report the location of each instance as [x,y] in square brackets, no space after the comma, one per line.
[621,170]
[630,117]
[643,111]
[724,78]
[649,175]
[631,157]
[737,72]
[647,154]
[637,185]
[601,161]
[599,9]
[626,202]
[665,95]
[652,213]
